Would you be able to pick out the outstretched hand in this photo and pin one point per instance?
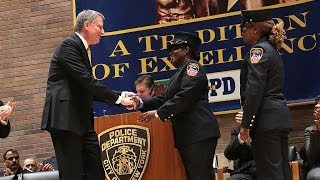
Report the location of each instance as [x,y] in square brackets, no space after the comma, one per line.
[135,103]
[147,116]
[127,101]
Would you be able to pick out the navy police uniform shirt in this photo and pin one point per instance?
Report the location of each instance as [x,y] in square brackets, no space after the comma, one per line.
[185,103]
[261,85]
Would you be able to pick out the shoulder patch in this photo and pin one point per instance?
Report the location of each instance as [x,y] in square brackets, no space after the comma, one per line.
[192,69]
[255,55]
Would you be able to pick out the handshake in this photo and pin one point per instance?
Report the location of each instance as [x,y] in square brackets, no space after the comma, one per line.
[130,100]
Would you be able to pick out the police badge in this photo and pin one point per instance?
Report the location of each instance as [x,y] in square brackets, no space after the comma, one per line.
[125,151]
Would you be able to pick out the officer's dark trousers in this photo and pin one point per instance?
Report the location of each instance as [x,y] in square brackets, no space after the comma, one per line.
[270,152]
[197,159]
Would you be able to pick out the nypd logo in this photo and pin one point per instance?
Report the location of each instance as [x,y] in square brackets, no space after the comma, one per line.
[125,151]
[255,55]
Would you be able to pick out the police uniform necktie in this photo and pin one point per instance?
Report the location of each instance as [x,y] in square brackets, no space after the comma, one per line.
[89,55]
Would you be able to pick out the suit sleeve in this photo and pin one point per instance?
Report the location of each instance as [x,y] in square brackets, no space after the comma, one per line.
[255,86]
[232,151]
[4,130]
[190,91]
[72,62]
[305,148]
[152,103]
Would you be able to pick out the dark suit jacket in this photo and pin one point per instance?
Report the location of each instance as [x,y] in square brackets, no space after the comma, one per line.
[241,154]
[19,171]
[261,86]
[185,102]
[71,89]
[310,151]
[4,130]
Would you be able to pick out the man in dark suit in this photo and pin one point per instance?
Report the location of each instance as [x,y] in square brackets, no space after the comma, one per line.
[241,153]
[11,160]
[5,112]
[185,102]
[71,90]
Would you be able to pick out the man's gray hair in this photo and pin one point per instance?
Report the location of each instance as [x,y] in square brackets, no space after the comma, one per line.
[86,15]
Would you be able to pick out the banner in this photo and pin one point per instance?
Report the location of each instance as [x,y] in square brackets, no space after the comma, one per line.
[137,35]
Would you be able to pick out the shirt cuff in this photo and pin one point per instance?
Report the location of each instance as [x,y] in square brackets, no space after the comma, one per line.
[140,104]
[240,140]
[3,122]
[156,115]
[119,99]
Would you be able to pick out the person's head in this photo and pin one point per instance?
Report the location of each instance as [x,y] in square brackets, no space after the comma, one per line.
[89,24]
[144,86]
[30,164]
[11,159]
[184,47]
[257,24]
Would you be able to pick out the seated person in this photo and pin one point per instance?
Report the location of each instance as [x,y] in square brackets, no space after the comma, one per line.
[5,112]
[31,165]
[241,153]
[12,165]
[144,86]
[310,151]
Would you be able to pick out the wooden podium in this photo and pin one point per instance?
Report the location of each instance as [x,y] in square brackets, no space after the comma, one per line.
[164,160]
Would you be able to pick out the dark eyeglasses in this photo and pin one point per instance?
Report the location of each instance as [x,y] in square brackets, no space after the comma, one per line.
[11,158]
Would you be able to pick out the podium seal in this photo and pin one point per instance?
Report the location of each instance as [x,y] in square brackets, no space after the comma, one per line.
[125,151]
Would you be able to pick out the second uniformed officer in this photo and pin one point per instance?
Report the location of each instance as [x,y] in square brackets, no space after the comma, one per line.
[185,102]
[265,112]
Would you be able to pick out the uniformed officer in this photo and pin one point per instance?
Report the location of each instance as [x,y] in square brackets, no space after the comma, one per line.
[185,103]
[265,113]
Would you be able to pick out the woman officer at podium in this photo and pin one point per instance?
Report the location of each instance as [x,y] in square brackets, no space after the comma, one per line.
[185,103]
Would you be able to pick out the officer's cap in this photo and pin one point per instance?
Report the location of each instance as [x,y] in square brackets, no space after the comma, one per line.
[258,15]
[185,39]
